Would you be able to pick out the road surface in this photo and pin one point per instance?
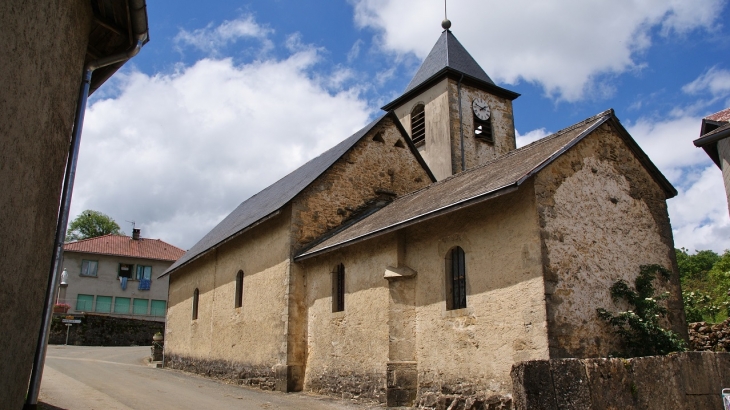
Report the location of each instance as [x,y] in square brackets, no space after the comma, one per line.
[83,377]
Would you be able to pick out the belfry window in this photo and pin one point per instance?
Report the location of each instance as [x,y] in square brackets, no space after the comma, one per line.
[239,289]
[455,279]
[483,130]
[196,295]
[418,124]
[338,288]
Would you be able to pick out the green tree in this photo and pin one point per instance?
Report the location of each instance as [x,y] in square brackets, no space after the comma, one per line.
[90,224]
[695,266]
[639,328]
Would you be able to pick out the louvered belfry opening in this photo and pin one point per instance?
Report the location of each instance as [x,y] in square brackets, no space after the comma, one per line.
[338,288]
[418,124]
[483,130]
[456,279]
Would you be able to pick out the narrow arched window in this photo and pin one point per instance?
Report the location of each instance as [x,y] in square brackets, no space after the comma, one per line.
[239,289]
[418,124]
[455,279]
[196,296]
[338,288]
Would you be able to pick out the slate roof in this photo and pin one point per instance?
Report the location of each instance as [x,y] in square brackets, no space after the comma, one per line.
[477,184]
[120,245]
[272,199]
[449,56]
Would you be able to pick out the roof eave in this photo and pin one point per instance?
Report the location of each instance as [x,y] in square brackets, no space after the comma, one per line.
[709,144]
[454,74]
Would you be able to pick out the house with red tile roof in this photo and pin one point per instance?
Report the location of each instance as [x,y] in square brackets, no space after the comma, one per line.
[117,275]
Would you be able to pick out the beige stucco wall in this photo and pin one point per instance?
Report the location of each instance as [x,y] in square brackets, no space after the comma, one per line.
[436,150]
[602,216]
[723,150]
[477,152]
[253,335]
[465,350]
[106,283]
[362,177]
[504,322]
[41,61]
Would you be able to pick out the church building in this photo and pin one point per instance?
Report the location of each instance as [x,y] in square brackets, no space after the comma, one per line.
[419,259]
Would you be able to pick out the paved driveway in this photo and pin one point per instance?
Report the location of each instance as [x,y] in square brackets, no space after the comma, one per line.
[82,377]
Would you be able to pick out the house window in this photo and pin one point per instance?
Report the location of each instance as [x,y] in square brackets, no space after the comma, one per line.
[418,124]
[89,268]
[139,306]
[84,303]
[158,307]
[143,272]
[103,304]
[125,270]
[196,295]
[239,289]
[455,279]
[338,288]
[121,305]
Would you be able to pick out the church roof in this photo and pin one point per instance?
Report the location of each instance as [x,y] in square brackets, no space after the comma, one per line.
[269,201]
[481,183]
[448,56]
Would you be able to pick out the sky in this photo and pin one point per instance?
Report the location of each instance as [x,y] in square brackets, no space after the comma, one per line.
[228,97]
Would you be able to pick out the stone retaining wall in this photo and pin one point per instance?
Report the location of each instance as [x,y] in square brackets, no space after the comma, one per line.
[262,377]
[705,336]
[101,330]
[690,380]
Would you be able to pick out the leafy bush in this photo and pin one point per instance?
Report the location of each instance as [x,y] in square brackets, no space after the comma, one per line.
[639,328]
[707,275]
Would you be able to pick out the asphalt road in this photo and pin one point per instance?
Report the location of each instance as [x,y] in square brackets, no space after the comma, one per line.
[82,377]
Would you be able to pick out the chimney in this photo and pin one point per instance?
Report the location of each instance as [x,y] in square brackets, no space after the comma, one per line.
[135,234]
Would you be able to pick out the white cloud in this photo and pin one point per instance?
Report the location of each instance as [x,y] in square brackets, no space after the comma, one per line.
[530,137]
[177,152]
[212,38]
[566,47]
[714,81]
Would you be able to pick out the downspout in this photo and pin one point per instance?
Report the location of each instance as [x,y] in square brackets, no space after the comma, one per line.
[139,20]
[461,126]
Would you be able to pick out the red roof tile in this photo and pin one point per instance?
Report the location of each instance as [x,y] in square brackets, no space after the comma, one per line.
[719,116]
[126,246]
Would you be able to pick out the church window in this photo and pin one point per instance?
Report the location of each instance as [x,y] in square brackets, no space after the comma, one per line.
[418,124]
[239,289]
[483,130]
[338,288]
[196,295]
[455,279]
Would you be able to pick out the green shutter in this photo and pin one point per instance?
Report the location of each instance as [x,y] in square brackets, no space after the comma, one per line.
[84,303]
[158,308]
[121,305]
[140,306]
[104,304]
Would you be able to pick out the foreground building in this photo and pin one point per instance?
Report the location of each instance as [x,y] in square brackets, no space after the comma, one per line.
[715,140]
[425,254]
[117,275]
[42,57]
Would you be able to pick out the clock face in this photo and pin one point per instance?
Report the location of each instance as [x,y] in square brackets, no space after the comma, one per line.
[481,109]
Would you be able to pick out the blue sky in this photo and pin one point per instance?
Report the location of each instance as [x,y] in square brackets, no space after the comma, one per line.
[229,97]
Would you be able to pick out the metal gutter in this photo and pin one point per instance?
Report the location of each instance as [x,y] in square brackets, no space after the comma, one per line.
[139,26]
[708,143]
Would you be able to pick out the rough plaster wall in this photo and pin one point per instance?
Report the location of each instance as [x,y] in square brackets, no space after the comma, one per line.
[353,182]
[251,335]
[504,322]
[476,151]
[436,150]
[723,149]
[106,282]
[41,60]
[348,351]
[602,216]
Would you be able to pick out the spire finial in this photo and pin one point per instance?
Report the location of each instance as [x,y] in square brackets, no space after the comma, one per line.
[446,24]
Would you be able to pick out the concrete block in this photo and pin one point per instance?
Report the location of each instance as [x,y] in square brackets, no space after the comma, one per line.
[571,384]
[612,384]
[657,384]
[699,373]
[533,386]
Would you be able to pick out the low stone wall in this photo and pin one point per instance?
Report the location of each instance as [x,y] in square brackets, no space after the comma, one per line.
[708,337]
[690,380]
[433,394]
[352,386]
[262,377]
[101,330]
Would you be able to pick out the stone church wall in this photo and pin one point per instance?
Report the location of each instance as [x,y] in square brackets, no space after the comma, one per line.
[601,217]
[240,344]
[376,169]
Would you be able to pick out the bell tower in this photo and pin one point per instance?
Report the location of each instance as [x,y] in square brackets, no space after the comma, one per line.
[455,114]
